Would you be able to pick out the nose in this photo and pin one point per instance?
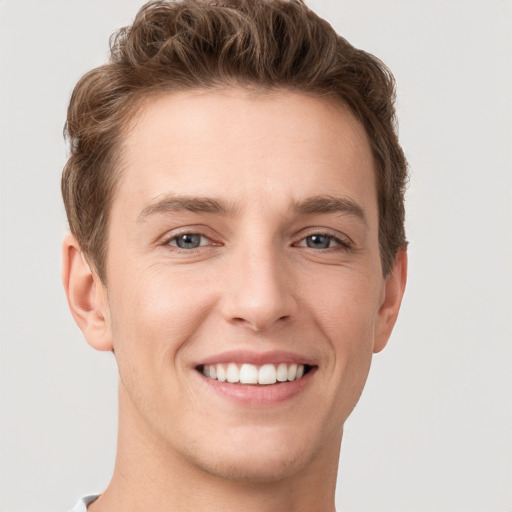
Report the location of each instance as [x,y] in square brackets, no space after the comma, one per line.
[257,291]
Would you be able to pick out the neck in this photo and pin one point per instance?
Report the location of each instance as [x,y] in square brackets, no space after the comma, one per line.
[150,476]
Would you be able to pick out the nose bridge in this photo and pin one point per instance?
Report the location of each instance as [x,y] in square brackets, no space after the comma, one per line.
[258,294]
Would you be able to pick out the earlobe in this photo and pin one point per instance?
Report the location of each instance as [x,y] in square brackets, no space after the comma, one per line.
[394,288]
[86,296]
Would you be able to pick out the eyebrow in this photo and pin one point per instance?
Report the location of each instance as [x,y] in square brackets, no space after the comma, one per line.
[187,203]
[322,204]
[330,204]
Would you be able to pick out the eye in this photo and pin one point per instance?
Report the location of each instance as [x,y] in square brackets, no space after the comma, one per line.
[319,241]
[188,241]
[322,241]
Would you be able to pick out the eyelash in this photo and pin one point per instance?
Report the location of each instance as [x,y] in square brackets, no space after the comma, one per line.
[168,242]
[341,245]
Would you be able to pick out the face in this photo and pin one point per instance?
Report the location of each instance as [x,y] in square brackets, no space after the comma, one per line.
[243,246]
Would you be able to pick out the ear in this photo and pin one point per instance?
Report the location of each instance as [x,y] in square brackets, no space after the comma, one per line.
[87,296]
[393,291]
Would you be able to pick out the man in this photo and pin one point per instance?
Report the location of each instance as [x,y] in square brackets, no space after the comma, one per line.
[235,197]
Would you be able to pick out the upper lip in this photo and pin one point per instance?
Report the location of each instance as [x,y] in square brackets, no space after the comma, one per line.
[257,358]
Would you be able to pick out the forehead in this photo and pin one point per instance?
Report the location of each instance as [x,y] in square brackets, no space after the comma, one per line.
[247,145]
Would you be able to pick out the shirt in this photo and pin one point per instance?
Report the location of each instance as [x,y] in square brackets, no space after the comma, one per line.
[81,506]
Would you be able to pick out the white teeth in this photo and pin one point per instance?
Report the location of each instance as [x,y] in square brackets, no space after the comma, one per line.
[252,374]
[232,373]
[267,374]
[282,372]
[248,374]
[221,373]
[292,372]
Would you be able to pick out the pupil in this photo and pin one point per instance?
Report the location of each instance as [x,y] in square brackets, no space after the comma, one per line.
[318,241]
[188,241]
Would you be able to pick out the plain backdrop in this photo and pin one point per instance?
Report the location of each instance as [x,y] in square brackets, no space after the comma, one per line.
[433,430]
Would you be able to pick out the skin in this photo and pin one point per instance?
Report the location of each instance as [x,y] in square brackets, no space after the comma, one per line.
[253,284]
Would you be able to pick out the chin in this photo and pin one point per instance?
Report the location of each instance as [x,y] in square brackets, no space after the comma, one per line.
[260,459]
[250,470]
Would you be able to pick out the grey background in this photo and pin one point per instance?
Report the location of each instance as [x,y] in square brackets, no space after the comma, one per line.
[433,429]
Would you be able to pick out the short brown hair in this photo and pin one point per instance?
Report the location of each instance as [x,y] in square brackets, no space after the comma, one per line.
[190,44]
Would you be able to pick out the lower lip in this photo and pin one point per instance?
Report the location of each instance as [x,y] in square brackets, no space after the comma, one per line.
[254,395]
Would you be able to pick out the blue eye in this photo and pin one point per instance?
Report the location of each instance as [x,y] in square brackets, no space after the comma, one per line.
[188,241]
[319,241]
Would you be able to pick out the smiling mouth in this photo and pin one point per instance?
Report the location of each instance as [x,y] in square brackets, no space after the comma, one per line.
[250,374]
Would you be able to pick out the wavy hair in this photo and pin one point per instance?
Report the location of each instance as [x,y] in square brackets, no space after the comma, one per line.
[189,44]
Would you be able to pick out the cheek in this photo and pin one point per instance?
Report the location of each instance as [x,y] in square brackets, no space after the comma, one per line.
[345,311]
[154,316]
[341,306]
[345,304]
